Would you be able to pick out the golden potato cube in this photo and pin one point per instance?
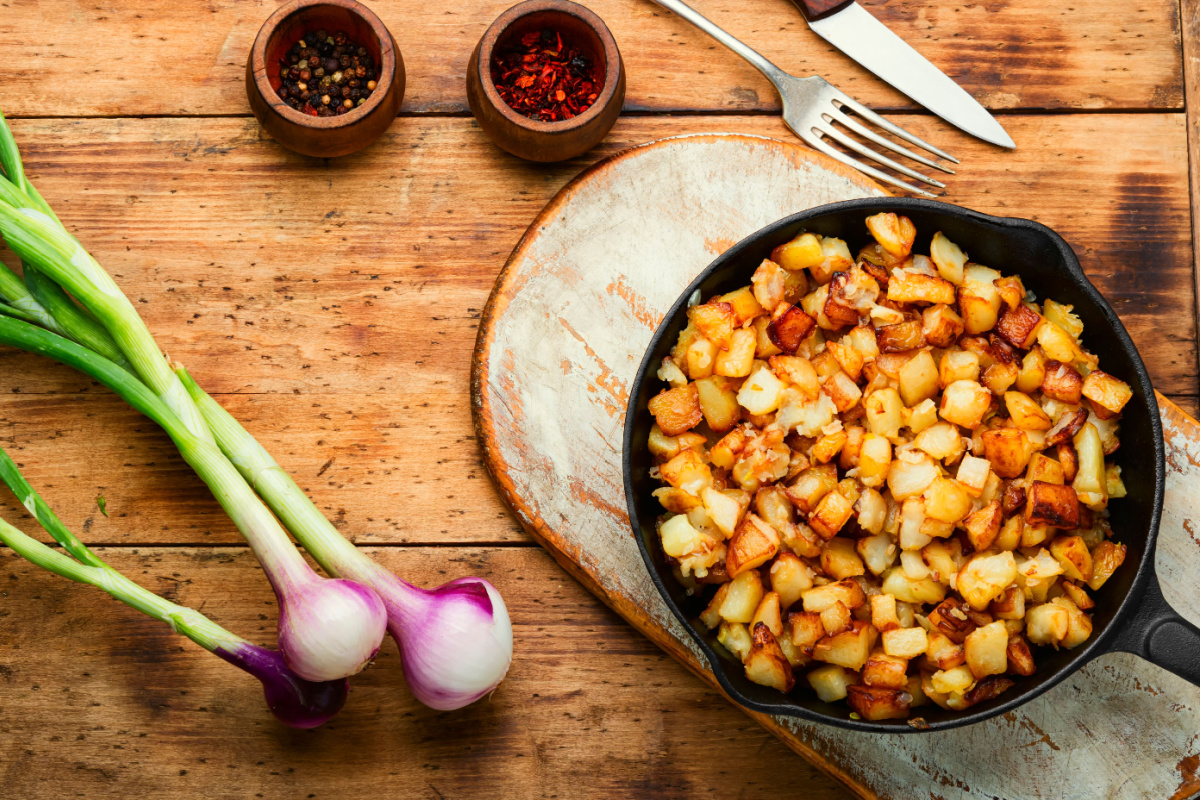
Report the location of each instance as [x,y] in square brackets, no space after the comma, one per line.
[742,597]
[735,637]
[874,460]
[844,393]
[1062,382]
[745,306]
[723,509]
[1012,290]
[1033,372]
[884,616]
[1057,344]
[849,649]
[831,682]
[1077,595]
[964,403]
[1010,605]
[958,365]
[803,252]
[711,615]
[942,441]
[848,358]
[1106,557]
[806,629]
[766,664]
[763,346]
[1020,659]
[714,321]
[900,337]
[983,526]
[979,305]
[839,559]
[1079,624]
[999,377]
[973,474]
[1073,555]
[986,650]
[787,330]
[761,393]
[799,372]
[769,285]
[807,491]
[1090,483]
[848,458]
[687,471]
[948,681]
[769,613]
[835,619]
[675,500]
[1105,391]
[948,257]
[1047,624]
[985,577]
[876,703]
[909,286]
[664,447]
[1008,449]
[885,671]
[924,590]
[946,500]
[790,578]
[920,416]
[894,232]
[1054,505]
[941,325]
[872,512]
[943,652]
[918,379]
[885,412]
[1025,413]
[701,355]
[738,358]
[718,403]
[831,514]
[847,592]
[1019,326]
[905,642]
[773,506]
[753,543]
[676,410]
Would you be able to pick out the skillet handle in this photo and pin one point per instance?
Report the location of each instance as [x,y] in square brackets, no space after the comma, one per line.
[1158,634]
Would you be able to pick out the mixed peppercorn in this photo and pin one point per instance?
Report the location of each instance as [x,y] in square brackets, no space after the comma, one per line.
[542,78]
[325,74]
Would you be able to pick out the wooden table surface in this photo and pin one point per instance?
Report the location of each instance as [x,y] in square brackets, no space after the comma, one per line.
[332,306]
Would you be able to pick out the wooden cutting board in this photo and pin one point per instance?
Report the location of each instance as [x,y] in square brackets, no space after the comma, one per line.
[559,345]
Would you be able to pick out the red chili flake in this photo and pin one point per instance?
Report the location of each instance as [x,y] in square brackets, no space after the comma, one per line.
[544,78]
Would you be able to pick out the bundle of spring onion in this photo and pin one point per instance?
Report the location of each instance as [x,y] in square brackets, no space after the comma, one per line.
[294,700]
[455,641]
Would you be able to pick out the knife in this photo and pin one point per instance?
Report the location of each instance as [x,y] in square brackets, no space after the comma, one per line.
[850,28]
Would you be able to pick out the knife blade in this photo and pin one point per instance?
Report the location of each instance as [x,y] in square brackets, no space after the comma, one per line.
[852,29]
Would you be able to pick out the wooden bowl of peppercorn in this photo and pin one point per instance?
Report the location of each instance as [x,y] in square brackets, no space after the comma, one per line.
[546,81]
[324,77]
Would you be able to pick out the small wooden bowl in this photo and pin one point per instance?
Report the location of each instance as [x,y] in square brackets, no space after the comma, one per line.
[323,136]
[532,139]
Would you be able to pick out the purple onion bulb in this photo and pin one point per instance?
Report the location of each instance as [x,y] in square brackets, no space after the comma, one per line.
[330,628]
[296,702]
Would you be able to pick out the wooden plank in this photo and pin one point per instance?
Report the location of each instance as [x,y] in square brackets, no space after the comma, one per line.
[1120,728]
[101,702]
[270,272]
[1190,27]
[117,59]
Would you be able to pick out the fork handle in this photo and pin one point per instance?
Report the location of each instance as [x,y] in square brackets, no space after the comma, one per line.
[816,9]
[757,59]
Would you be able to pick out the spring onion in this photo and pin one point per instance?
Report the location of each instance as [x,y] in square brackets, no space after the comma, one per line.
[293,700]
[455,641]
[328,628]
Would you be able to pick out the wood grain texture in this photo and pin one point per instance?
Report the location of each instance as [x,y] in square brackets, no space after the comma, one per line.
[1190,28]
[1118,727]
[130,58]
[102,702]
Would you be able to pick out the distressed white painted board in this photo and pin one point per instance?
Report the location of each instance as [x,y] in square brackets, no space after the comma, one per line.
[559,345]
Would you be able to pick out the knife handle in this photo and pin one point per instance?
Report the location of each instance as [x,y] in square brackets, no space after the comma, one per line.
[816,9]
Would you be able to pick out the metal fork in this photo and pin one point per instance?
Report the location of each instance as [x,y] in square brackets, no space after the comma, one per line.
[812,105]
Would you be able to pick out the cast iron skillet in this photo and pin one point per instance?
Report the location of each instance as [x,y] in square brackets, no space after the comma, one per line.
[1130,614]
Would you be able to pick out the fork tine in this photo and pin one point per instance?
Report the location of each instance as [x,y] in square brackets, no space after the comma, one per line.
[867,133]
[820,144]
[847,142]
[895,130]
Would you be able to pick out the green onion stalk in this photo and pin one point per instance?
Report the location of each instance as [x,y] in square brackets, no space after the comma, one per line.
[455,640]
[295,701]
[328,628]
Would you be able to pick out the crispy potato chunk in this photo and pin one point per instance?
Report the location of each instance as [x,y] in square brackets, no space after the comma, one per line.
[766,663]
[1048,504]
[986,650]
[894,232]
[1062,382]
[676,410]
[831,514]
[964,403]
[905,642]
[1106,557]
[789,329]
[1068,424]
[839,559]
[1019,326]
[941,325]
[803,252]
[753,543]
[1025,413]
[1008,449]
[1020,660]
[848,649]
[831,682]
[900,337]
[907,286]
[737,358]
[1106,392]
[769,282]
[1073,555]
[948,257]
[874,703]
[714,321]
[847,592]
[885,671]
[983,526]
